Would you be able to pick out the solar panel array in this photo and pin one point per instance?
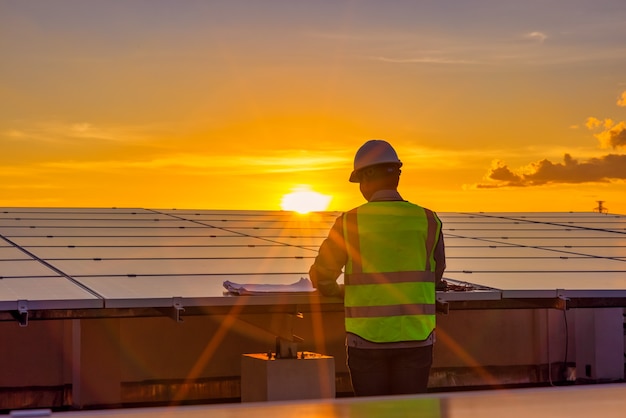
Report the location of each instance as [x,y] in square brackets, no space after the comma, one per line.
[539,254]
[58,258]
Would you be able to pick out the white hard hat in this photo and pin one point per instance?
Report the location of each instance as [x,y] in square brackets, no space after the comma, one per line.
[373,152]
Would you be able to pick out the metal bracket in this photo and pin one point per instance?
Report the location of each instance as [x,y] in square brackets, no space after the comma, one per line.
[176,311]
[177,303]
[21,315]
[561,302]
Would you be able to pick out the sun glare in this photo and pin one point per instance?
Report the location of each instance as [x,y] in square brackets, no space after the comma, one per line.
[305,200]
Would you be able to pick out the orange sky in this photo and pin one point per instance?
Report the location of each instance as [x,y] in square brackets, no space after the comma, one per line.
[491,105]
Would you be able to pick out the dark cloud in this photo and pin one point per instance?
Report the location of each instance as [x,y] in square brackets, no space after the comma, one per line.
[602,169]
[502,173]
[617,138]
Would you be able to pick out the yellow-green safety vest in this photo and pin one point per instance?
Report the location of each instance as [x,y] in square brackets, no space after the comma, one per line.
[390,272]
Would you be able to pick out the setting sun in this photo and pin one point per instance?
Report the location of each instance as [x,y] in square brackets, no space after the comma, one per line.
[305,200]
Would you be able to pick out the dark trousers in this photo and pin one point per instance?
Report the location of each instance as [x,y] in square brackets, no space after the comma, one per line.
[390,371]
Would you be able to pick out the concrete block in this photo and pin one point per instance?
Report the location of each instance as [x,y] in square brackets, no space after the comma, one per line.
[310,376]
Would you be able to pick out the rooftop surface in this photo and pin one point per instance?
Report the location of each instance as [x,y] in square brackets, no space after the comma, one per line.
[606,400]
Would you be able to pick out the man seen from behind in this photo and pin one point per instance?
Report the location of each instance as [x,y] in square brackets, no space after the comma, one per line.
[392,255]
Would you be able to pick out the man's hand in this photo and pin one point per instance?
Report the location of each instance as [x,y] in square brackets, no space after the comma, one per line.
[330,288]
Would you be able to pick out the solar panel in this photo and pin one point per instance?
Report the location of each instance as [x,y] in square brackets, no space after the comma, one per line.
[557,263]
[138,252]
[546,284]
[201,290]
[508,251]
[63,258]
[24,268]
[11,253]
[52,292]
[119,232]
[145,241]
[173,267]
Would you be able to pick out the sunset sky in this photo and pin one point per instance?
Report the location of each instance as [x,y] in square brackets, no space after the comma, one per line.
[492,105]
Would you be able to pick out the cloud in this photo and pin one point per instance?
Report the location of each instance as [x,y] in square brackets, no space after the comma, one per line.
[67,133]
[594,170]
[604,169]
[613,135]
[536,36]
[500,172]
[208,164]
[622,100]
[593,123]
[423,60]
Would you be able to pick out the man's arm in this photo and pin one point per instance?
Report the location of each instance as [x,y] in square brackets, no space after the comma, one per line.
[329,262]
[440,263]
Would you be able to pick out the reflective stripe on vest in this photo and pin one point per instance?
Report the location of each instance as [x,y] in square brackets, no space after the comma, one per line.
[392,277]
[389,310]
[389,277]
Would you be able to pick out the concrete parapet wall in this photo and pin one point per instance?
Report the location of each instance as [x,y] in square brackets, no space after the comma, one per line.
[156,359]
